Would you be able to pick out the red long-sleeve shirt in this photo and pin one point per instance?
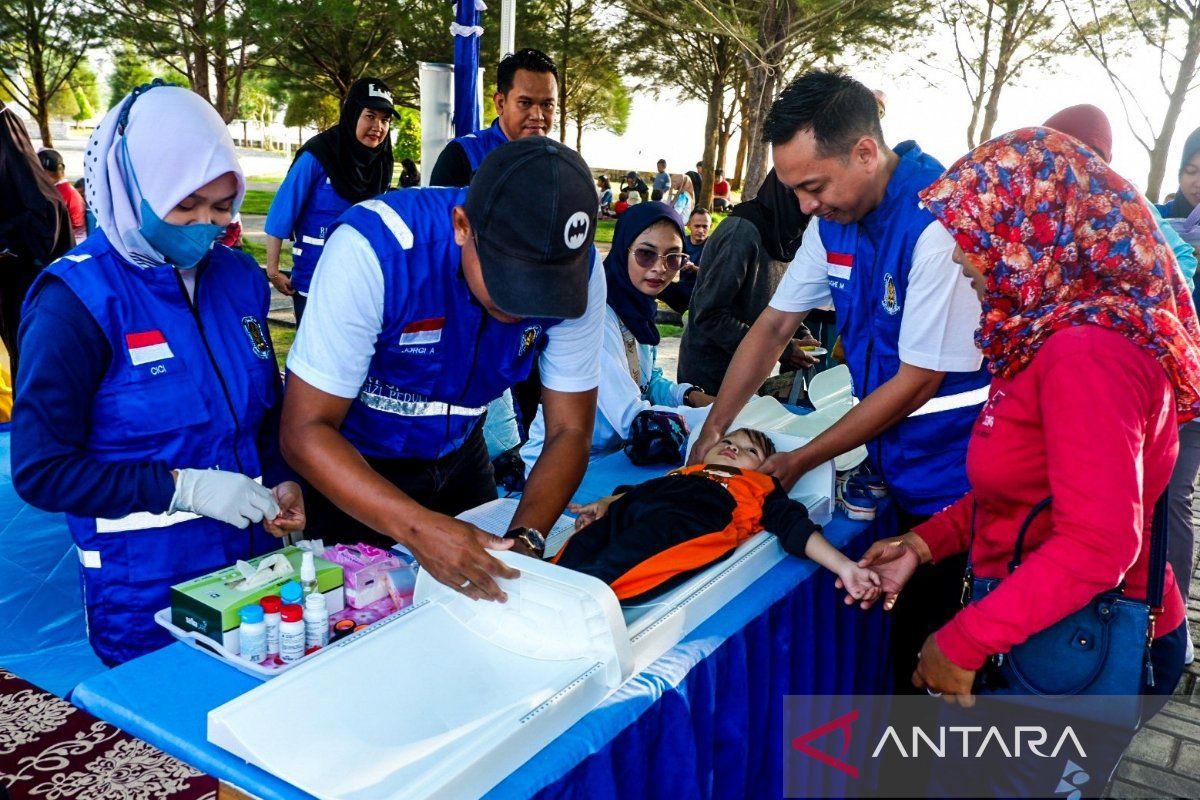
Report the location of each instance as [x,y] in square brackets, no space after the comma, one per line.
[1090,422]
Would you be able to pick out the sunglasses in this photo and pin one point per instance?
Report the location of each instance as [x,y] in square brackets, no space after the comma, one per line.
[646,258]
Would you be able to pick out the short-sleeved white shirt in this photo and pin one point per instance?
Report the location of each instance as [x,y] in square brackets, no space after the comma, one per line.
[941,310]
[344,318]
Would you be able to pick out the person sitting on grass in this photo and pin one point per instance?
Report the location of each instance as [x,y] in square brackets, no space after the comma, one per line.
[622,204]
[653,536]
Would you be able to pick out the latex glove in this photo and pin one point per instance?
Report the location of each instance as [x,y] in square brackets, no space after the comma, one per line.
[226,496]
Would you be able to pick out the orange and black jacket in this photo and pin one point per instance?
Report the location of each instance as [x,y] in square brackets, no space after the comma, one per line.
[661,532]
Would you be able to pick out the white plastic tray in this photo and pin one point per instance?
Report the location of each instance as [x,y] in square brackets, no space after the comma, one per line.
[199,641]
[444,700]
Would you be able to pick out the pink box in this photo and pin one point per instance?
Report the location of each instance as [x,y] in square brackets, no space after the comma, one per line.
[365,568]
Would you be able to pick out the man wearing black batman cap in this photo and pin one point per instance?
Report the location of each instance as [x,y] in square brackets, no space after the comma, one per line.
[426,305]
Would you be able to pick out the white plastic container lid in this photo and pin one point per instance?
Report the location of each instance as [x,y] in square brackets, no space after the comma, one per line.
[444,700]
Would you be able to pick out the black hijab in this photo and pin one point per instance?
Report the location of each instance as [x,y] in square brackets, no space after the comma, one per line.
[636,310]
[357,172]
[776,213]
[34,222]
[1179,207]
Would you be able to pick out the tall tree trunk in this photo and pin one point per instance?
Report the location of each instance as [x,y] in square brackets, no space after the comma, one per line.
[196,51]
[981,68]
[43,122]
[1009,42]
[739,161]
[579,137]
[716,97]
[1183,79]
[762,94]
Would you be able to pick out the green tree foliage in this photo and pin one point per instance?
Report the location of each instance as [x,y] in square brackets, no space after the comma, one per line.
[311,108]
[776,38]
[41,43]
[601,100]
[210,44]
[578,35]
[63,104]
[326,45]
[406,135]
[86,88]
[131,70]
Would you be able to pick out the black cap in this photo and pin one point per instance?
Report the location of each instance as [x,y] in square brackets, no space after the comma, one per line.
[51,159]
[532,209]
[372,93]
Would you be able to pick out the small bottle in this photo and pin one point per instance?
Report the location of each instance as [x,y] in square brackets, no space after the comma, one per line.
[291,593]
[316,622]
[252,635]
[343,628]
[308,573]
[291,633]
[271,604]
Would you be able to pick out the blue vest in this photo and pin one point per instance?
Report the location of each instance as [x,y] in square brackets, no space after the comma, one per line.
[479,143]
[922,458]
[440,358]
[187,388]
[321,210]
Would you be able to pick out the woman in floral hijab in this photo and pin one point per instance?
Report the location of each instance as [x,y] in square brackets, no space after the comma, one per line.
[1092,338]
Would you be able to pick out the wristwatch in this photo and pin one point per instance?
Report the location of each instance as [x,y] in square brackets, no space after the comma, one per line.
[688,393]
[532,538]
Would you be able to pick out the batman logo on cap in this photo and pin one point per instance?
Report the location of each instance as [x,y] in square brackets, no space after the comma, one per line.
[576,230]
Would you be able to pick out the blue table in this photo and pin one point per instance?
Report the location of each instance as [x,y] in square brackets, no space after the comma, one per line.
[705,720]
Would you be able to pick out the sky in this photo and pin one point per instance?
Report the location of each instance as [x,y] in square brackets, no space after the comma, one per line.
[934,115]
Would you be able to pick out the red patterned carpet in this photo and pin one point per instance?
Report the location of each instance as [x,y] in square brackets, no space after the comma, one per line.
[50,750]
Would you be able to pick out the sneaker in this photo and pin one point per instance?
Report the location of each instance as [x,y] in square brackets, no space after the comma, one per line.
[868,480]
[856,500]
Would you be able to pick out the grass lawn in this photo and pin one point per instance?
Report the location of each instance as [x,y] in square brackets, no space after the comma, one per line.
[258,201]
[259,251]
[667,331]
[281,338]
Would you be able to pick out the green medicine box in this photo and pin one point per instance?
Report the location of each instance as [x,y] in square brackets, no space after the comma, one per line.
[209,604]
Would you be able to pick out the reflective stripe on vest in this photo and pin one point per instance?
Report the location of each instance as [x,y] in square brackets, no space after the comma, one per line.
[973,397]
[411,408]
[392,220]
[145,520]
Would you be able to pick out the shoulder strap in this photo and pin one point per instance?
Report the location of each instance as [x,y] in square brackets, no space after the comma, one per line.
[1157,573]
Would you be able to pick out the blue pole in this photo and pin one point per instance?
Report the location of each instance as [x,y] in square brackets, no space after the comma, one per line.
[466,67]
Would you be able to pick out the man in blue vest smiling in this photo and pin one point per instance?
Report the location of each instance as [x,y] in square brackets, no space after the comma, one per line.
[526,96]
[426,305]
[905,314]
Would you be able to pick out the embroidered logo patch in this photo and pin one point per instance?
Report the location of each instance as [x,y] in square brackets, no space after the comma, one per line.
[891,302]
[258,338]
[530,336]
[576,230]
[147,347]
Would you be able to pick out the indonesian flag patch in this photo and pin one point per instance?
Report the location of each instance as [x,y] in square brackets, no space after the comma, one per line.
[838,265]
[147,347]
[424,331]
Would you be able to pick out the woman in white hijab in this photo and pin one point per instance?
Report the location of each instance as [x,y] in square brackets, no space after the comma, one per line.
[150,413]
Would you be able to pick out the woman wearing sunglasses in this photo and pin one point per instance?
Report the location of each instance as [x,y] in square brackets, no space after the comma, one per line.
[646,255]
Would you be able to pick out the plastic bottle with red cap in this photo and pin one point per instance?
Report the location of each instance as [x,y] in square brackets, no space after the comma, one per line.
[291,633]
[272,605]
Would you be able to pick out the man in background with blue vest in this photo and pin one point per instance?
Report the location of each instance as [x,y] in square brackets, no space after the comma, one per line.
[906,316]
[526,95]
[426,305]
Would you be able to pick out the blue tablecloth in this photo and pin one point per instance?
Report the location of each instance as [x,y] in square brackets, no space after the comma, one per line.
[42,633]
[705,720]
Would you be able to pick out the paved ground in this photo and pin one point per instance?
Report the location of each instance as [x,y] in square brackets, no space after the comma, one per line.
[1164,759]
